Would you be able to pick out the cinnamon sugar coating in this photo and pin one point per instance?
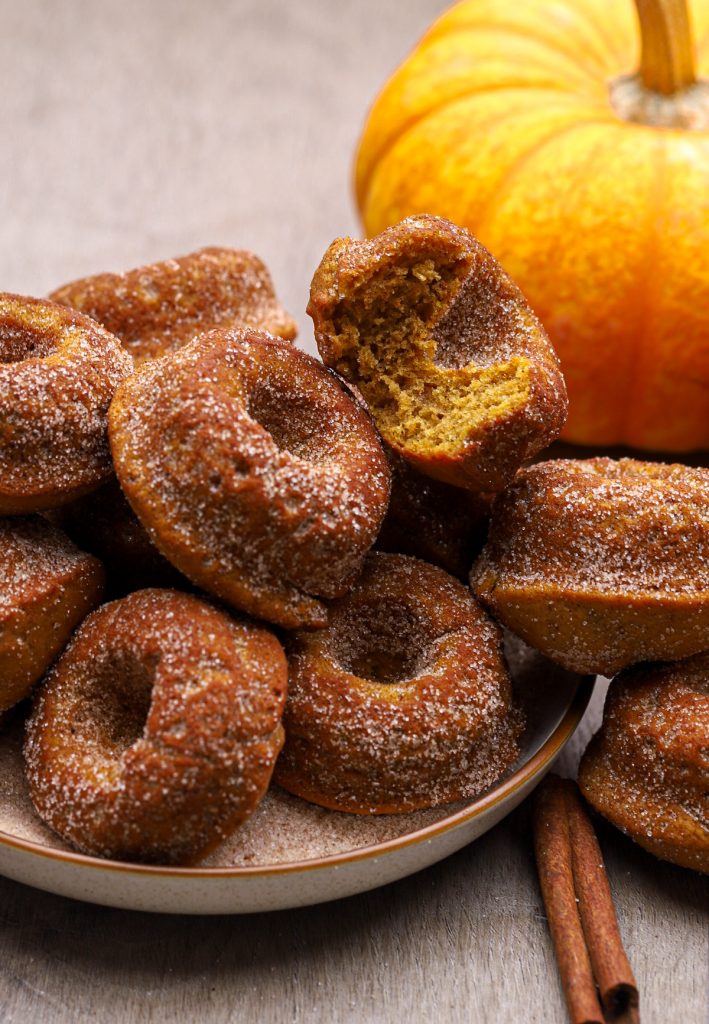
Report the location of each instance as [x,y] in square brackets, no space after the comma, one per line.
[601,563]
[458,372]
[156,732]
[433,521]
[647,768]
[104,524]
[58,372]
[254,471]
[403,700]
[48,587]
[160,307]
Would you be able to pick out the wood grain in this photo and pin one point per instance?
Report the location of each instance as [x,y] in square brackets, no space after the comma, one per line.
[135,131]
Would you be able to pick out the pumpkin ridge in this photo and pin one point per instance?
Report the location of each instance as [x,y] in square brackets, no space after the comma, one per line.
[703,44]
[525,157]
[362,184]
[646,293]
[451,26]
[617,50]
[506,29]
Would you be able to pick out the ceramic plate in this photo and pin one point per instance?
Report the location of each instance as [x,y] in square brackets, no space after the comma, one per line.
[291,853]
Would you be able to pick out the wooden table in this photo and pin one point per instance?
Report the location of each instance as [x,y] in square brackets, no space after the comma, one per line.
[133,131]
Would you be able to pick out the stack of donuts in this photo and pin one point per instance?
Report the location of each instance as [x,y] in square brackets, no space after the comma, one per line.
[224,561]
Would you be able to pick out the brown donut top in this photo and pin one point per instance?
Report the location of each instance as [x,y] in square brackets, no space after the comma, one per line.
[58,372]
[254,471]
[157,730]
[657,719]
[398,694]
[601,526]
[647,767]
[162,306]
[37,559]
[458,372]
[47,586]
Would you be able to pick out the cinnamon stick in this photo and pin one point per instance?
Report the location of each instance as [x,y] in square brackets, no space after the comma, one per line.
[611,969]
[580,909]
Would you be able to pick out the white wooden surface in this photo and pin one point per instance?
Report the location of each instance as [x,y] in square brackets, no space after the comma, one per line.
[134,130]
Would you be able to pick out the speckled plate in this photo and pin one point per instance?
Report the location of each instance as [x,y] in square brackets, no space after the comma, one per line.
[291,853]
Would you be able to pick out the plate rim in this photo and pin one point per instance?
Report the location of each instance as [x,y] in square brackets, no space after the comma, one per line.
[536,764]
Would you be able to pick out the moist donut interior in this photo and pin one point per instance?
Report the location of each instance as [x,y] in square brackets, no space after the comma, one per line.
[382,644]
[431,375]
[118,702]
[19,342]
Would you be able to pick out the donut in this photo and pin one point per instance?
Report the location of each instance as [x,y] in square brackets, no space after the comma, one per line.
[254,471]
[433,521]
[601,563]
[160,307]
[58,372]
[48,587]
[461,379]
[104,524]
[403,701]
[647,769]
[156,732]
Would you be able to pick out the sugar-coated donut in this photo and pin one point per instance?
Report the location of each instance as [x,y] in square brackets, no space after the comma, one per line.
[647,769]
[156,732]
[48,587]
[254,471]
[58,372]
[160,307]
[601,563]
[403,700]
[458,372]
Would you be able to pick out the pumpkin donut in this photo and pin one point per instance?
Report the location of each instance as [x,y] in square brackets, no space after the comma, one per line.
[156,732]
[403,701]
[254,471]
[48,587]
[456,369]
[647,768]
[58,372]
[601,563]
[160,307]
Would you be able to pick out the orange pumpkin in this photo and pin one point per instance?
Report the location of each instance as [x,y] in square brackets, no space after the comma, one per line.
[525,122]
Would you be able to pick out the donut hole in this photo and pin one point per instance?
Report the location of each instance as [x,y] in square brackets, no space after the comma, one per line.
[382,644]
[19,342]
[117,703]
[296,423]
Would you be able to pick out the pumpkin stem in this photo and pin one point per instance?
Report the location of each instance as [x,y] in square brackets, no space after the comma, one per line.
[665,92]
[667,61]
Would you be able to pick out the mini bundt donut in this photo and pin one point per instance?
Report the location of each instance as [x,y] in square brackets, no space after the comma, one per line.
[601,563]
[104,524]
[48,587]
[433,521]
[160,307]
[58,372]
[156,732]
[254,471]
[458,372]
[647,769]
[403,701]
